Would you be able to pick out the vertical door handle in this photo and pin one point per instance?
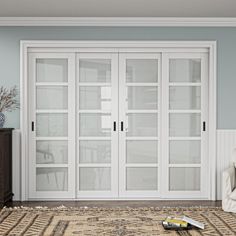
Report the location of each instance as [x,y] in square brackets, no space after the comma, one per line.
[204,126]
[122,126]
[32,125]
[114,126]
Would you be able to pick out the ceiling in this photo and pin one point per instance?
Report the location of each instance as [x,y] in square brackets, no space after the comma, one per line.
[117,8]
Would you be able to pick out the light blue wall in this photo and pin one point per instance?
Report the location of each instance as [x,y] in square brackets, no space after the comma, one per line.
[226,38]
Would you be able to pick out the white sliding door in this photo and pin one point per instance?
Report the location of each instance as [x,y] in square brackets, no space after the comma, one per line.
[139,96]
[184,126]
[97,125]
[110,125]
[52,134]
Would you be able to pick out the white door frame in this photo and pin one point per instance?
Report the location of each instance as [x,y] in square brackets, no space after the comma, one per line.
[114,46]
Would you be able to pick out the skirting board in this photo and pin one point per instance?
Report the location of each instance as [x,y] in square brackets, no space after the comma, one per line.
[226,142]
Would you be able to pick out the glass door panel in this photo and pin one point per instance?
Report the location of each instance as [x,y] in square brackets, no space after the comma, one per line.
[97,138]
[186,113]
[142,98]
[141,151]
[95,179]
[185,179]
[51,70]
[185,152]
[139,124]
[141,178]
[94,125]
[45,97]
[185,97]
[141,70]
[185,70]
[95,151]
[51,169]
[51,179]
[185,124]
[51,124]
[95,70]
[95,97]
[51,152]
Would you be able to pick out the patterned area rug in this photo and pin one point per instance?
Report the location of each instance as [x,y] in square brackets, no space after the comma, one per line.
[110,221]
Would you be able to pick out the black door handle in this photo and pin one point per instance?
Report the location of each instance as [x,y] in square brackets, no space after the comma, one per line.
[204,126]
[114,126]
[122,126]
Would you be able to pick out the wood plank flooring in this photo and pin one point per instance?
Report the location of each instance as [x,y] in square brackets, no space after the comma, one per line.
[110,204]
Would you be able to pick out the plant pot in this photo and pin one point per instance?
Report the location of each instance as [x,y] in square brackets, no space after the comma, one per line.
[2,119]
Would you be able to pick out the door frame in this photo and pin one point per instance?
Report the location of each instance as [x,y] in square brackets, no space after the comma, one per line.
[115,46]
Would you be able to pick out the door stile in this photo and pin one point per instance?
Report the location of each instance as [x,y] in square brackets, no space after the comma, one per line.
[122,118]
[164,126]
[32,130]
[115,120]
[205,174]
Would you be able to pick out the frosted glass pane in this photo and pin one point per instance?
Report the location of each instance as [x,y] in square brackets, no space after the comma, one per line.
[95,70]
[141,151]
[142,97]
[51,152]
[95,97]
[185,97]
[141,70]
[141,178]
[51,70]
[185,152]
[187,125]
[52,179]
[52,125]
[184,179]
[94,124]
[52,97]
[95,151]
[142,125]
[94,178]
[185,70]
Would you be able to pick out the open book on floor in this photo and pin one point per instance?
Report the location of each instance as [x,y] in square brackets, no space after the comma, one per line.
[181,223]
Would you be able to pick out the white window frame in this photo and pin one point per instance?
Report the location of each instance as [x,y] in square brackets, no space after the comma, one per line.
[115,46]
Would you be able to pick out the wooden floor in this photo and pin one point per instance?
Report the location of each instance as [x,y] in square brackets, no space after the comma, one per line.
[109,204]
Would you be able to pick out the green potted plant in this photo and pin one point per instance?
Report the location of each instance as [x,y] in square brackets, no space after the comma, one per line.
[8,102]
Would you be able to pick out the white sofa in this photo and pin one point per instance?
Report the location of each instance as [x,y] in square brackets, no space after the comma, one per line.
[229,190]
